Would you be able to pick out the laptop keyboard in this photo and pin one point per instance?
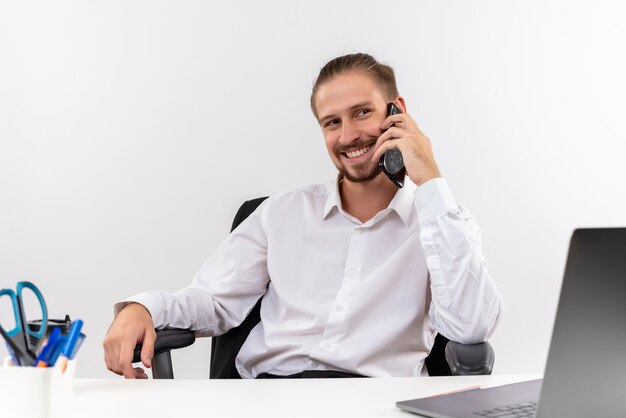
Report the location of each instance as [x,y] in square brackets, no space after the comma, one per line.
[518,410]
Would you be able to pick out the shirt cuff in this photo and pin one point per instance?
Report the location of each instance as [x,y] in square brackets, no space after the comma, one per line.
[150,302]
[434,198]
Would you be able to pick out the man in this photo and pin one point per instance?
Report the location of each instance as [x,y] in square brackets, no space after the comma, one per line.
[357,275]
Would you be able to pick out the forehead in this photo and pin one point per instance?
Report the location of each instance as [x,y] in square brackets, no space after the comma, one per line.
[344,90]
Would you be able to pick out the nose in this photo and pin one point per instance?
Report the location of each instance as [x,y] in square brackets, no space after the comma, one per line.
[349,132]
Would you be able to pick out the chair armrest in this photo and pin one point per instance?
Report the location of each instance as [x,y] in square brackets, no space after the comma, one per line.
[469,359]
[166,340]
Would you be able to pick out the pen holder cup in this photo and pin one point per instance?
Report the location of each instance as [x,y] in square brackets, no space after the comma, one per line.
[33,392]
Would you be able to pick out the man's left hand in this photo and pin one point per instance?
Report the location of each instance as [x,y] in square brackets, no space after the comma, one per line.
[402,133]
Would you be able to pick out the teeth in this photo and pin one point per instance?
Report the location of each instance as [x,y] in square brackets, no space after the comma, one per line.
[354,154]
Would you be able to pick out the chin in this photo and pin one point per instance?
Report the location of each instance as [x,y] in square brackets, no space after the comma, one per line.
[361,177]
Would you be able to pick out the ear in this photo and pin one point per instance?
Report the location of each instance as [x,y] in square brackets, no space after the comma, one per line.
[400,103]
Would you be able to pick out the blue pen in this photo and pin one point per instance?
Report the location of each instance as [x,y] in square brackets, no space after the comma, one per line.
[43,359]
[56,353]
[72,339]
[77,346]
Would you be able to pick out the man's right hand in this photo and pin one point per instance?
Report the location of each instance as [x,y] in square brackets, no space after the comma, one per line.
[133,325]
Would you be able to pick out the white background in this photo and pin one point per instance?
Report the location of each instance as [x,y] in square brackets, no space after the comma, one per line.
[131,131]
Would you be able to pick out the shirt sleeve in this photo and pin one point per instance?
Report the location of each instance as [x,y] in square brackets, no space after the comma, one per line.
[466,304]
[223,291]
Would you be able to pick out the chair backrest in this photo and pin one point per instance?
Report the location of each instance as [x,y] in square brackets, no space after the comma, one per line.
[224,348]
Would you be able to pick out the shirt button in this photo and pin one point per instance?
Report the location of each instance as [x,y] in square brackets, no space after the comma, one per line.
[314,363]
[339,308]
[351,272]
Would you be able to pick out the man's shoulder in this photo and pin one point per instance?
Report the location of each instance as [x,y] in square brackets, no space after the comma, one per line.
[311,192]
[309,196]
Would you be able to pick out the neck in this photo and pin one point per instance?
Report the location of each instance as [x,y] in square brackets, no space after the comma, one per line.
[364,200]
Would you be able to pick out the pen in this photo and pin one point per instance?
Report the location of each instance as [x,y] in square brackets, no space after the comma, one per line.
[72,339]
[81,338]
[46,352]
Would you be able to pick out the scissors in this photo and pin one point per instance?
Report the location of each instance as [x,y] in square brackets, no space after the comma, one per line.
[23,341]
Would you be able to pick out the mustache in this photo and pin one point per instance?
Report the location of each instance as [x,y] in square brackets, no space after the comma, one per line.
[342,149]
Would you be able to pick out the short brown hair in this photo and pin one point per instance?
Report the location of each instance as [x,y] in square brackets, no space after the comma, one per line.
[381,73]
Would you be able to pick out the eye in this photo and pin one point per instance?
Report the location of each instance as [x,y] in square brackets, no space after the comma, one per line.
[331,123]
[362,112]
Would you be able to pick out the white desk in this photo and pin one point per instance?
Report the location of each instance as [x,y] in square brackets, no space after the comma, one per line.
[326,398]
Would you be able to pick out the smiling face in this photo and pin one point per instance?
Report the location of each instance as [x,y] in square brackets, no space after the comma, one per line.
[351,108]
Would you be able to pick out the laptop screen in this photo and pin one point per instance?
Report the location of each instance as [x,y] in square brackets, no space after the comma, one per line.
[586,369]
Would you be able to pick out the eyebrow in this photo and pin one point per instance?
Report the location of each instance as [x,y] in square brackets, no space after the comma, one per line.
[366,103]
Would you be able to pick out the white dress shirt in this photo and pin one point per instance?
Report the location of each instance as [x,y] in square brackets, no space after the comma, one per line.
[340,294]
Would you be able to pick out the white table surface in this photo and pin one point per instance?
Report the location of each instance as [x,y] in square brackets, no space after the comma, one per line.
[326,398]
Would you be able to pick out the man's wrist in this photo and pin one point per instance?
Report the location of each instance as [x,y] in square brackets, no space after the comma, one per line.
[430,173]
[138,307]
[132,305]
[428,178]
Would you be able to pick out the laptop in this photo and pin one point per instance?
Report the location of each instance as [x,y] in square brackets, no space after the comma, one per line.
[585,374]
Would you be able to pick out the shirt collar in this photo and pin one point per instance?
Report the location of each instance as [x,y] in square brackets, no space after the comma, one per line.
[402,203]
[333,198]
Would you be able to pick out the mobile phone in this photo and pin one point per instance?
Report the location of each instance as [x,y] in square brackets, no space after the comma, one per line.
[391,163]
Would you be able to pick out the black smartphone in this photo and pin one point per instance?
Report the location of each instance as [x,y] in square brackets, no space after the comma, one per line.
[391,162]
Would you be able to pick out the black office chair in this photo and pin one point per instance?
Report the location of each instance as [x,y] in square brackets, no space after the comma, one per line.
[447,358]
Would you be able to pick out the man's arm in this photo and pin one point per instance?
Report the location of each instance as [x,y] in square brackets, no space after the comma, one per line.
[221,295]
[466,304]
